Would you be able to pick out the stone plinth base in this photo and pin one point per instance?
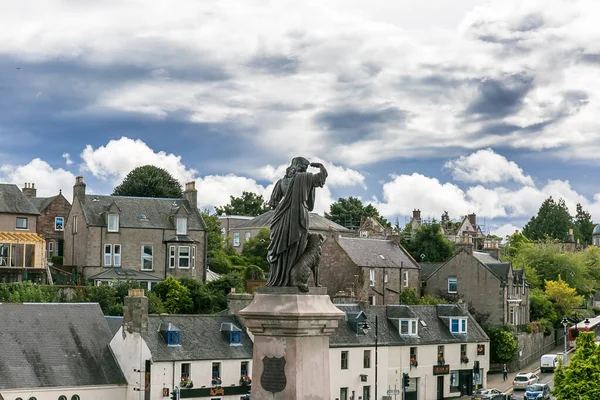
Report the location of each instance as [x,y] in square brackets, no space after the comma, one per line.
[291,342]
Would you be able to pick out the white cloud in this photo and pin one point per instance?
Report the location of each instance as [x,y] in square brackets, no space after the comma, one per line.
[118,157]
[47,180]
[486,166]
[67,158]
[505,230]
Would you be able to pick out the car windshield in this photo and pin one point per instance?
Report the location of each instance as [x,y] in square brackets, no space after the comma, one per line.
[482,391]
[522,378]
[535,388]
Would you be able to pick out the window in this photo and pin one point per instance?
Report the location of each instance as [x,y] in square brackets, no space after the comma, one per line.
[440,352]
[216,370]
[405,282]
[75,224]
[173,338]
[481,349]
[366,393]
[248,236]
[371,300]
[21,222]
[59,223]
[50,249]
[184,257]
[112,255]
[452,284]
[344,393]
[512,316]
[113,222]
[244,368]
[185,370]
[408,327]
[181,226]
[235,337]
[193,256]
[371,277]
[171,256]
[236,239]
[413,355]
[458,325]
[344,360]
[454,387]
[463,350]
[367,359]
[147,257]
[385,276]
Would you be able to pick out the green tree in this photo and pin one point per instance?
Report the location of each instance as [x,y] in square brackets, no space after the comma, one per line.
[220,263]
[214,235]
[149,181]
[580,379]
[250,204]
[428,244]
[563,296]
[175,297]
[516,244]
[552,221]
[255,248]
[409,296]
[583,225]
[540,306]
[348,213]
[503,345]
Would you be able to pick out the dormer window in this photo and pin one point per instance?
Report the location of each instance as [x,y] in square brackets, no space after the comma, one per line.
[458,325]
[233,332]
[170,333]
[173,338]
[113,222]
[181,225]
[408,327]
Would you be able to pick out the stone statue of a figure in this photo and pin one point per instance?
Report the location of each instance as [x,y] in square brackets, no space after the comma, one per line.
[293,252]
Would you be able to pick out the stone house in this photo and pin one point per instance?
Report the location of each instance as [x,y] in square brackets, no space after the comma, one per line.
[203,356]
[467,228]
[371,228]
[231,221]
[244,230]
[57,351]
[441,347]
[22,250]
[160,237]
[374,270]
[491,287]
[51,220]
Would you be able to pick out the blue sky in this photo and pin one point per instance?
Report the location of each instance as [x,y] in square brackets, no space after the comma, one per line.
[473,106]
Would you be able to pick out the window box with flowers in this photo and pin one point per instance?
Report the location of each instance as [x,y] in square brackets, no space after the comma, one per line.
[441,360]
[245,380]
[464,359]
[413,362]
[216,380]
[186,383]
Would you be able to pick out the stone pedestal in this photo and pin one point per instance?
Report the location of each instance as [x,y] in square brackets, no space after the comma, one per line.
[291,342]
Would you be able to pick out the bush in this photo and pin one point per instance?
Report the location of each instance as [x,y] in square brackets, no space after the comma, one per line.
[57,260]
[596,310]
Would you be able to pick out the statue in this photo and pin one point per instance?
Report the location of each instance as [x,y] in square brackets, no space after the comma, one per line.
[293,252]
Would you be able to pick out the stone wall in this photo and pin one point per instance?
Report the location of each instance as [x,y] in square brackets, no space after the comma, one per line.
[532,346]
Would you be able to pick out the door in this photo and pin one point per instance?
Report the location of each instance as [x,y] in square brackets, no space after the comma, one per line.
[440,388]
[465,381]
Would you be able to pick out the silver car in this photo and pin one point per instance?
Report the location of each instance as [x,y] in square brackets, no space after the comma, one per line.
[524,379]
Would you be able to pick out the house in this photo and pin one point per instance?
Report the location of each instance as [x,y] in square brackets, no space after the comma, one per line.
[596,236]
[231,221]
[245,230]
[203,356]
[22,250]
[370,227]
[156,236]
[441,347]
[467,227]
[57,351]
[50,225]
[375,270]
[496,291]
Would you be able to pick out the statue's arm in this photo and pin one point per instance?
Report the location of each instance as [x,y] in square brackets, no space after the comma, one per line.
[319,178]
[276,195]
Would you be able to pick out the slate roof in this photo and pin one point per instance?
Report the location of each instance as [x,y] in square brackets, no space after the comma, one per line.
[125,273]
[55,345]
[201,338]
[140,212]
[498,268]
[41,203]
[315,223]
[114,323]
[436,330]
[429,268]
[378,253]
[13,201]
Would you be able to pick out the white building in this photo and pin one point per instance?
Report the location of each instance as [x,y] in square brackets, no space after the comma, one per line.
[206,356]
[51,351]
[441,347]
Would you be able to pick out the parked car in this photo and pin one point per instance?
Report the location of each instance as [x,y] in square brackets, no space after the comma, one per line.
[548,362]
[524,379]
[538,391]
[491,394]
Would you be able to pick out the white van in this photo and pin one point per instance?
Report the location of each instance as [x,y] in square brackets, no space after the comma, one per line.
[548,362]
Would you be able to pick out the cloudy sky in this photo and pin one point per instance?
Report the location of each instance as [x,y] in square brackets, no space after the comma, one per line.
[468,106]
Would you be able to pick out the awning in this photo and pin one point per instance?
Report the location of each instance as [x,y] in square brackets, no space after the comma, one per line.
[20,237]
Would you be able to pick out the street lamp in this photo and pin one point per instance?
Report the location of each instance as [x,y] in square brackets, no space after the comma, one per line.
[565,322]
[365,329]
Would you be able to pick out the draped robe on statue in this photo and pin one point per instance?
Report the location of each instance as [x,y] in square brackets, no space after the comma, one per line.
[294,198]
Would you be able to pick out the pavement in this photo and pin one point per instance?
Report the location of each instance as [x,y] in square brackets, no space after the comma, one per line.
[495,379]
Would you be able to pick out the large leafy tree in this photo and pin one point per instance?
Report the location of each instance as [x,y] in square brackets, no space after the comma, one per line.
[149,181]
[552,221]
[583,225]
[503,345]
[348,212]
[249,204]
[213,233]
[175,297]
[563,296]
[541,307]
[255,248]
[428,244]
[580,379]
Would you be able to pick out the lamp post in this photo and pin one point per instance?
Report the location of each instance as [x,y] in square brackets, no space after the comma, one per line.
[565,323]
[365,329]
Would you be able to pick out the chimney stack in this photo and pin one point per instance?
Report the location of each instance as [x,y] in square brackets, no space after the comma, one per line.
[417,215]
[473,219]
[191,194]
[135,311]
[29,190]
[79,189]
